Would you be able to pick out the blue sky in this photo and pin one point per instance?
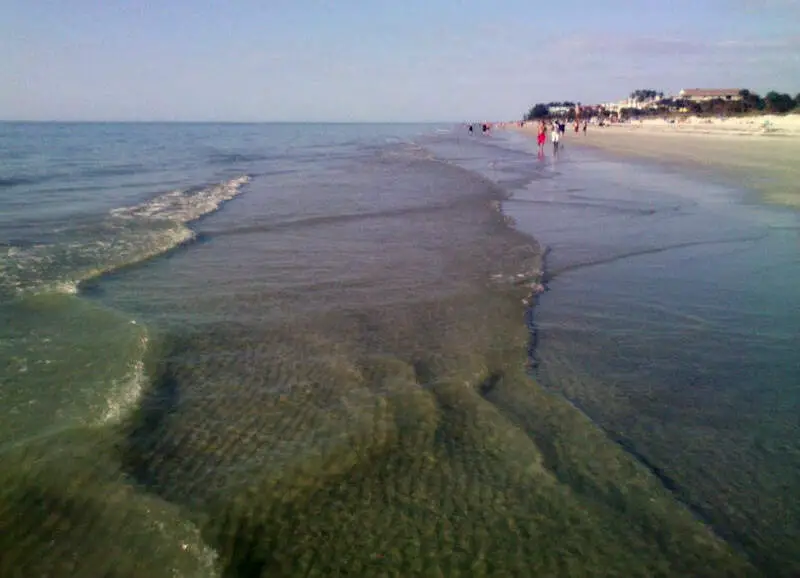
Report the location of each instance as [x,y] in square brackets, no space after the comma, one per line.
[350,60]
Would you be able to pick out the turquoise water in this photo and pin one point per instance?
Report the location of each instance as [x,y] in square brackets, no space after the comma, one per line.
[250,350]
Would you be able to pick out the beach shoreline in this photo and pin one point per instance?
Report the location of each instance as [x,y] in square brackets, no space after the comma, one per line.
[299,383]
[759,160]
[641,187]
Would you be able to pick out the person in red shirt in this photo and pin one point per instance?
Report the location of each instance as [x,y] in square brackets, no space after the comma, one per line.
[541,137]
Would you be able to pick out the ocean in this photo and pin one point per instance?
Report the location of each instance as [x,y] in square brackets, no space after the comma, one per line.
[306,349]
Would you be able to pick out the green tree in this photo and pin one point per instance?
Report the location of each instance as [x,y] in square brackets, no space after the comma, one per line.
[538,111]
[751,100]
[694,107]
[645,94]
[778,102]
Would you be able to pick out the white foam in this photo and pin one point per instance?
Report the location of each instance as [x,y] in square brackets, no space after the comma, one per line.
[125,394]
[134,234]
[64,287]
[185,206]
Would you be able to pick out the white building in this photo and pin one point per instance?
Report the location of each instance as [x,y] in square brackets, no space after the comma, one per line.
[559,110]
[631,103]
[703,94]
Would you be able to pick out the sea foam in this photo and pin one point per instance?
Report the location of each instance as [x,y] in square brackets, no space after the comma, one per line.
[129,235]
[184,206]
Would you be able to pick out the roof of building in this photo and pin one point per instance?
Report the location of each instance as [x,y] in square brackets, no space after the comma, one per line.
[710,92]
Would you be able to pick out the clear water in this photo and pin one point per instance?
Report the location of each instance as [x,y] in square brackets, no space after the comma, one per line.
[673,320]
[78,201]
[292,349]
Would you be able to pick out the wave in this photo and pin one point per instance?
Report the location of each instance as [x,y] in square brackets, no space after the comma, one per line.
[43,279]
[114,170]
[104,374]
[65,173]
[17,243]
[223,158]
[185,206]
[71,362]
[323,220]
[648,251]
[126,393]
[405,150]
[130,235]
[8,182]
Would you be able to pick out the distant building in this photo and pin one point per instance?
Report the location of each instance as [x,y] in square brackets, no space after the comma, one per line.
[618,105]
[559,110]
[633,104]
[703,94]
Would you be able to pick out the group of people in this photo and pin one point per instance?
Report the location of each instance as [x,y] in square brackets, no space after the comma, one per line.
[557,129]
[485,127]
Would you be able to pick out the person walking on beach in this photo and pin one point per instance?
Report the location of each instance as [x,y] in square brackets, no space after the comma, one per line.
[556,137]
[540,138]
[585,124]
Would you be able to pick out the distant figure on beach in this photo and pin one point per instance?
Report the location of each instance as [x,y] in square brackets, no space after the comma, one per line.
[562,127]
[470,129]
[540,138]
[556,137]
[585,124]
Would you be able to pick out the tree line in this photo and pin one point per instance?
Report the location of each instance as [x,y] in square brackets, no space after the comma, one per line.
[773,101]
[646,94]
[750,102]
[542,110]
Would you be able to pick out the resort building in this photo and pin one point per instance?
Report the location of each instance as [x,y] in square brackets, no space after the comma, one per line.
[631,103]
[703,94]
[560,110]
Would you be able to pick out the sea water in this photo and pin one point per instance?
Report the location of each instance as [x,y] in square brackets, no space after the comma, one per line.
[673,319]
[301,349]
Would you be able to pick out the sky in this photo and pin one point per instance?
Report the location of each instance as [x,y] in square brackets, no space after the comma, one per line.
[378,60]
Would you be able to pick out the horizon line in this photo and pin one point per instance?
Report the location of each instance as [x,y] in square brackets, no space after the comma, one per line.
[110,121]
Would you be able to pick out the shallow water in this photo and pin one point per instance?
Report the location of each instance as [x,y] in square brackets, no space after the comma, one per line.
[325,372]
[672,320]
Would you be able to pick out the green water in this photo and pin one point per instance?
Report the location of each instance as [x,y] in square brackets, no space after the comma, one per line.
[448,461]
[65,362]
[331,381]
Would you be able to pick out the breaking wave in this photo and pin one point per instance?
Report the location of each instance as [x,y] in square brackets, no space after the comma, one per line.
[126,393]
[47,320]
[185,206]
[129,235]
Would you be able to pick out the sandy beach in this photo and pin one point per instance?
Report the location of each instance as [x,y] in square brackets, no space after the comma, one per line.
[761,152]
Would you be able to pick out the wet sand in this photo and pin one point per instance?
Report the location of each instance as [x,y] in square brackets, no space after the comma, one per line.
[764,162]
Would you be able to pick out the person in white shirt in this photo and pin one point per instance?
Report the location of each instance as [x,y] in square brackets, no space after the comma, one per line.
[556,137]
